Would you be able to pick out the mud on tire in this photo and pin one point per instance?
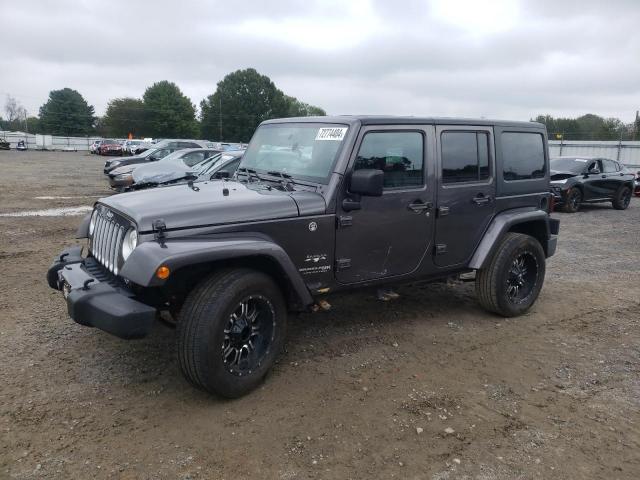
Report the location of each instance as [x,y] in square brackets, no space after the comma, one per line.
[231,328]
[511,282]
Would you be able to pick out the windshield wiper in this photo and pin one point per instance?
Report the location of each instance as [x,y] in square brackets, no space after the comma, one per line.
[287,183]
[250,172]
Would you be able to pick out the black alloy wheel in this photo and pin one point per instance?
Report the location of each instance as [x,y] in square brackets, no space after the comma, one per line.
[248,335]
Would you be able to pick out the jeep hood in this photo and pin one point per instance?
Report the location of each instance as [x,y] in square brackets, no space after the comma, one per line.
[182,206]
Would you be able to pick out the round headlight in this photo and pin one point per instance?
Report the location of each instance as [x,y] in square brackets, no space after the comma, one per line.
[92,222]
[129,243]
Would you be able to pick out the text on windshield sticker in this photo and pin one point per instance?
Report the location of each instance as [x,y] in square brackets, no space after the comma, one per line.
[335,134]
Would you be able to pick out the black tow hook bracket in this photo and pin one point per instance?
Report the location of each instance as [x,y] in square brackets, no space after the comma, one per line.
[85,285]
[159,227]
[62,257]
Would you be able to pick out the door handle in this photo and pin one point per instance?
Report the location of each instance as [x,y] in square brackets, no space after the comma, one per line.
[419,206]
[604,176]
[480,199]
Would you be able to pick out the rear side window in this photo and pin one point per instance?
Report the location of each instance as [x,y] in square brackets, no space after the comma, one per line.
[465,156]
[523,156]
[398,154]
[608,166]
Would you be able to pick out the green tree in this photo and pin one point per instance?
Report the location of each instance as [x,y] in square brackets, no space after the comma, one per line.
[585,127]
[66,113]
[241,101]
[168,112]
[124,116]
[296,108]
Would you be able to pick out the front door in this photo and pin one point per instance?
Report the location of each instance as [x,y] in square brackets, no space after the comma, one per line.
[466,191]
[389,235]
[594,184]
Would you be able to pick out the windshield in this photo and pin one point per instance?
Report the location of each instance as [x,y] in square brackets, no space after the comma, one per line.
[148,152]
[306,150]
[175,156]
[573,165]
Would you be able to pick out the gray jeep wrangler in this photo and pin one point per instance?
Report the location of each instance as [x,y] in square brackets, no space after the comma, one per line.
[318,205]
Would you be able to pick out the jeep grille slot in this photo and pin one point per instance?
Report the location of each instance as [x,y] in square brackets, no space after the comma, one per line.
[107,238]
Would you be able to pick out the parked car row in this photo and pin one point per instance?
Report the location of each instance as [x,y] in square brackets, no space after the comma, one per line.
[579,180]
[172,161]
[136,147]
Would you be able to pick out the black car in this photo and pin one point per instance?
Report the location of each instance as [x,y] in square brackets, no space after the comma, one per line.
[318,205]
[577,180]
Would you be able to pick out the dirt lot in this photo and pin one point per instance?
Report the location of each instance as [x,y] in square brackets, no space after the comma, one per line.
[366,390]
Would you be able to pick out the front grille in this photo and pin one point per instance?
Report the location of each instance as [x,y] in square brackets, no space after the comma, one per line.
[106,241]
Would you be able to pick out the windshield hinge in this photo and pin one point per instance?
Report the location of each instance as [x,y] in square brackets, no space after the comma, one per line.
[343,264]
[345,221]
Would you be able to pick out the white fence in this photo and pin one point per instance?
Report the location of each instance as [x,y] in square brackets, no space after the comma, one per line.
[626,152]
[48,142]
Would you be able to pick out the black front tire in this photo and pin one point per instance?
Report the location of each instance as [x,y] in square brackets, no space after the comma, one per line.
[496,282]
[206,324]
[572,200]
[622,198]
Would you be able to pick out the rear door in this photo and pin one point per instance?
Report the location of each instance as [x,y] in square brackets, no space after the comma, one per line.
[613,178]
[466,191]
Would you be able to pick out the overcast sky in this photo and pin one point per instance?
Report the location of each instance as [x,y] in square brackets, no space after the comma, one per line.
[498,59]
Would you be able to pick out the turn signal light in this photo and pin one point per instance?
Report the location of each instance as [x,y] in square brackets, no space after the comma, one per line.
[163,272]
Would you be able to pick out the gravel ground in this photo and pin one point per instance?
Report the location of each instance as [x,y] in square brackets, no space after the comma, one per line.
[428,386]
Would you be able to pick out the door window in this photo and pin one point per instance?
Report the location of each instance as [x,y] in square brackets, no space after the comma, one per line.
[398,154]
[465,156]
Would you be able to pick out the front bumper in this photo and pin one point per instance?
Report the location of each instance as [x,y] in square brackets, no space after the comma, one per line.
[98,302]
[120,182]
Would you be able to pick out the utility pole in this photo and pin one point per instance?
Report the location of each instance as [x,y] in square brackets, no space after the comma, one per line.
[220,116]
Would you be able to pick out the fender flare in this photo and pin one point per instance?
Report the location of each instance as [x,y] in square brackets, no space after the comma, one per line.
[501,224]
[141,266]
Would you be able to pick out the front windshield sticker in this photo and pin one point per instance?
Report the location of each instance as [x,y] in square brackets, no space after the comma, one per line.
[335,134]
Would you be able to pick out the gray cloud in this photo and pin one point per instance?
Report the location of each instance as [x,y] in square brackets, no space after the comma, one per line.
[401,57]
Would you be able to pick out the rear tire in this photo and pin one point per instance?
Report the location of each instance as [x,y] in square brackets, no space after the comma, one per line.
[572,200]
[510,284]
[622,198]
[231,328]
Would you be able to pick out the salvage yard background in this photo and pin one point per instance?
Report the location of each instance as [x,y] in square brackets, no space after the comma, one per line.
[429,386]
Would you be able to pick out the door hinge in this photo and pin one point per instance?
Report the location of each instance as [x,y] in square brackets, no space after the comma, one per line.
[345,221]
[442,211]
[441,248]
[343,264]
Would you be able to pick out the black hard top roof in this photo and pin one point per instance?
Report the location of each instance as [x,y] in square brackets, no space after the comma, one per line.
[393,120]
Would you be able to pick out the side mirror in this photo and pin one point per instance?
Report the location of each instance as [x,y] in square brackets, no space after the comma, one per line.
[220,174]
[368,182]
